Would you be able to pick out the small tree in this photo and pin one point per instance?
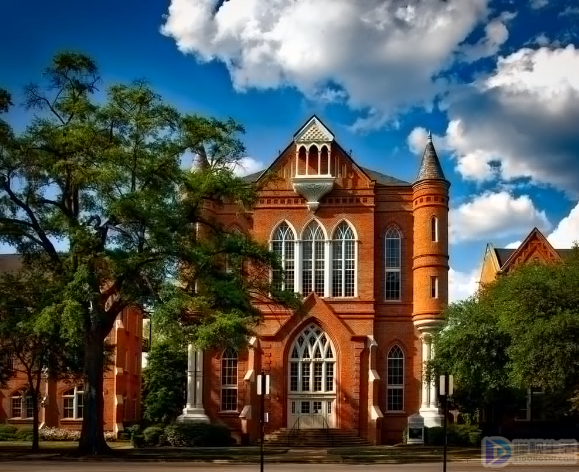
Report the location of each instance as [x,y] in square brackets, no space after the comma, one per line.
[164,383]
[32,333]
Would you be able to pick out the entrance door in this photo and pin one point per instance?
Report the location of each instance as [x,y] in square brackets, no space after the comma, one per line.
[312,390]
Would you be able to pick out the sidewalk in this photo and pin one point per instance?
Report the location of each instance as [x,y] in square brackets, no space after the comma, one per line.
[10,451]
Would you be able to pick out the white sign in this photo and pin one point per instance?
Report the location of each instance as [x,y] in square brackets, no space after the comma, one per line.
[259,384]
[442,387]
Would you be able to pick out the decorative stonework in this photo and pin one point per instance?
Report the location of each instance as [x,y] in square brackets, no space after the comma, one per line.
[314,132]
[312,188]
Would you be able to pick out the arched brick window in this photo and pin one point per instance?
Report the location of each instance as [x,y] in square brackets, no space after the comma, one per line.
[395,378]
[313,260]
[21,405]
[393,264]
[283,244]
[343,262]
[229,380]
[73,403]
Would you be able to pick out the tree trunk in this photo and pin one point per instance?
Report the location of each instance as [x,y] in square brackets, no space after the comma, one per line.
[92,440]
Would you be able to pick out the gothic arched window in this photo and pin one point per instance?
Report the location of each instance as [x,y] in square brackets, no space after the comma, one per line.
[395,377]
[343,262]
[313,262]
[283,244]
[229,380]
[393,264]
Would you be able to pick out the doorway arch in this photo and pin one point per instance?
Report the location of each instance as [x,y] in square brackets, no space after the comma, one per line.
[312,380]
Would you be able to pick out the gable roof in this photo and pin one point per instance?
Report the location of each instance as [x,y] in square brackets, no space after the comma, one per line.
[323,134]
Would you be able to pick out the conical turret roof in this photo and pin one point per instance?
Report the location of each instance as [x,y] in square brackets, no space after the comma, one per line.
[430,168]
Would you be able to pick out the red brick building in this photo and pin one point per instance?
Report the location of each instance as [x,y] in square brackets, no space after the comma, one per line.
[369,253]
[62,402]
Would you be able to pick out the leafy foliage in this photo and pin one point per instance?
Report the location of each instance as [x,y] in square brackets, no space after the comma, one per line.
[521,331]
[197,435]
[164,383]
[106,181]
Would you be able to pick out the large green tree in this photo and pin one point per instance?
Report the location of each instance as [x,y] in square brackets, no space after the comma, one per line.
[519,332]
[106,179]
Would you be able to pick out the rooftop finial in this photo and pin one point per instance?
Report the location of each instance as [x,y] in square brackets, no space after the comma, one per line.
[429,136]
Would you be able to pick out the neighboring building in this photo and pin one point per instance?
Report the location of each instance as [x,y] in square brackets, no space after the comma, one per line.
[369,253]
[62,404]
[535,247]
[500,261]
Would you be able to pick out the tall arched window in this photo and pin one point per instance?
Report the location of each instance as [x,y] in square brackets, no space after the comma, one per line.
[73,403]
[283,244]
[434,229]
[343,262]
[312,361]
[395,376]
[392,263]
[313,267]
[229,380]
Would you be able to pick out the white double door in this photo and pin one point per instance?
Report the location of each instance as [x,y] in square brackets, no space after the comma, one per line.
[311,412]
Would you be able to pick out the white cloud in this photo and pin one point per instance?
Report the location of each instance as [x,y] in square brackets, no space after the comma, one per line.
[248,165]
[536,4]
[493,216]
[418,138]
[462,285]
[520,121]
[382,52]
[567,231]
[496,34]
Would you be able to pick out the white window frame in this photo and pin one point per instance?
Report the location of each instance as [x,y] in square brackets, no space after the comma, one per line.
[389,235]
[77,403]
[285,242]
[314,230]
[229,360]
[25,407]
[395,386]
[341,243]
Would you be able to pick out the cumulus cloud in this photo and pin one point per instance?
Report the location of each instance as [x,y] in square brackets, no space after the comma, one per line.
[248,165]
[462,285]
[495,215]
[566,233]
[520,121]
[536,4]
[360,48]
[496,34]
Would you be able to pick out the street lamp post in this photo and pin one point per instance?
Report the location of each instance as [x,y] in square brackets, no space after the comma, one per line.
[446,389]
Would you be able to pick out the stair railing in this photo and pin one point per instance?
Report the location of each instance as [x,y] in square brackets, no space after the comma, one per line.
[329,435]
[295,427]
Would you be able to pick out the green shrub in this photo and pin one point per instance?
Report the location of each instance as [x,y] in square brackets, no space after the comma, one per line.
[458,435]
[25,433]
[474,438]
[435,436]
[132,430]
[138,440]
[198,435]
[152,435]
[7,429]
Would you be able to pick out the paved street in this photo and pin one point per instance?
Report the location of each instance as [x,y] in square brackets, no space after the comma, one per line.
[62,466]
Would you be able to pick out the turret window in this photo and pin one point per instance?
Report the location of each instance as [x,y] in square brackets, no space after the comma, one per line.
[392,264]
[434,286]
[434,229]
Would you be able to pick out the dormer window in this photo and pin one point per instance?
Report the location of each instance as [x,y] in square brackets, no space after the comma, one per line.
[313,171]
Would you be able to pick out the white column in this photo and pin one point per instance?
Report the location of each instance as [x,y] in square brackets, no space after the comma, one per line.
[194,411]
[428,408]
[425,397]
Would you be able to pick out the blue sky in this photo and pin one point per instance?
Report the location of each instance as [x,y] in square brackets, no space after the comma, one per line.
[497,83]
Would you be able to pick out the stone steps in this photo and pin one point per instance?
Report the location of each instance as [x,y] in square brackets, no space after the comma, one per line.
[315,438]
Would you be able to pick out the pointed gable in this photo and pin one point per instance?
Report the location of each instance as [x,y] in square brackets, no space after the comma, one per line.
[490,266]
[535,247]
[314,131]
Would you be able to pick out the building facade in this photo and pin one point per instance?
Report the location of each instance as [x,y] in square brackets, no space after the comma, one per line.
[369,254]
[62,401]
